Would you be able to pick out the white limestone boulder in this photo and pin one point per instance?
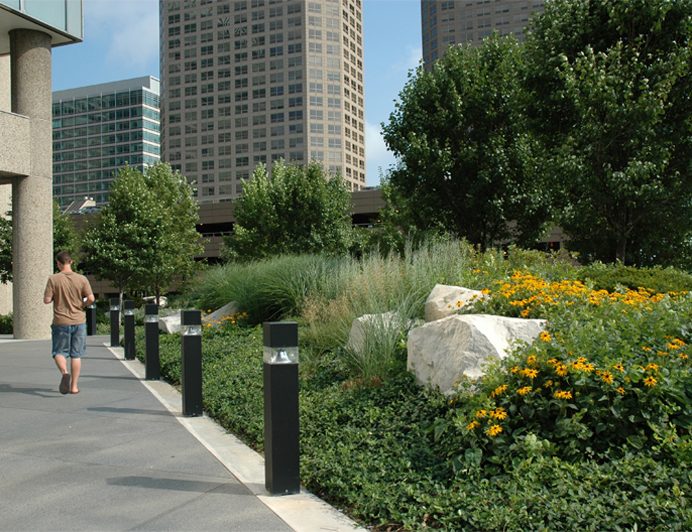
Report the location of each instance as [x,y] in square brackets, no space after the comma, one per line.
[170,324]
[215,318]
[445,300]
[440,352]
[372,324]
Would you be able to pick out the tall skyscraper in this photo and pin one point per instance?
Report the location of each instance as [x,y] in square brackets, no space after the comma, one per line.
[99,129]
[449,22]
[255,81]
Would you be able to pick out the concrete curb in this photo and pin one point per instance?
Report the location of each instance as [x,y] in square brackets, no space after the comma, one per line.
[303,512]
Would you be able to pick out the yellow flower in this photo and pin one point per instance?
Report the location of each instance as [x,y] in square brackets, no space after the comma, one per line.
[524,390]
[562,395]
[552,361]
[514,369]
[621,390]
[650,381]
[472,425]
[588,367]
[644,348]
[545,336]
[683,355]
[530,373]
[481,413]
[498,413]
[485,291]
[619,367]
[498,391]
[548,384]
[494,430]
[561,370]
[652,367]
[607,377]
[531,361]
[525,313]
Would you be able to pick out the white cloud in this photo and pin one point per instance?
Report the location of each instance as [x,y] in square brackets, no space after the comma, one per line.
[129,29]
[377,154]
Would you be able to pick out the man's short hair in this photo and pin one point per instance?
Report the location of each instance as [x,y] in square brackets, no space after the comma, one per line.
[64,257]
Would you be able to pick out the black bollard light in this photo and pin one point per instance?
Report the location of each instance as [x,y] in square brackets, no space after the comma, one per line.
[281,423]
[129,322]
[191,366]
[152,369]
[115,322]
[91,319]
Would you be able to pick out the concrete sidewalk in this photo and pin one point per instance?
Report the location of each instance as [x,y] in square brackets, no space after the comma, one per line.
[120,456]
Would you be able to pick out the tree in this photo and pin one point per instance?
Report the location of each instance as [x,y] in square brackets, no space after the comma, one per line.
[6,248]
[465,165]
[64,239]
[607,92]
[299,210]
[145,238]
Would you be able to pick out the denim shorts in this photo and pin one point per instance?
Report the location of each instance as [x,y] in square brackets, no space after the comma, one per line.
[69,340]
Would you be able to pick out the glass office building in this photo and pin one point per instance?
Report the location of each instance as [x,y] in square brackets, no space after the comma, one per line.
[254,81]
[98,130]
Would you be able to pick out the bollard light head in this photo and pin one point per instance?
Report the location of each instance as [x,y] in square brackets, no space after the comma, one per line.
[280,342]
[129,307]
[191,322]
[280,355]
[151,313]
[115,304]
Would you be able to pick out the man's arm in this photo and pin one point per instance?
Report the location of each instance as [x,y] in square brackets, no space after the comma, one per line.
[48,294]
[89,300]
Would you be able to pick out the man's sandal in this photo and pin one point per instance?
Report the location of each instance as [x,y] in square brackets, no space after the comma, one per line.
[65,384]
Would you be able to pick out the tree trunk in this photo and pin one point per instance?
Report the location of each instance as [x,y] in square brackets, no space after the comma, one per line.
[621,249]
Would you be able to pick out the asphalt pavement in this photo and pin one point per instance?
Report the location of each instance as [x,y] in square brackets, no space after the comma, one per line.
[120,456]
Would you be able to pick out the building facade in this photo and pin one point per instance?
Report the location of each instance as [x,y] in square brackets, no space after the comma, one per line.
[255,81]
[449,22]
[29,29]
[99,129]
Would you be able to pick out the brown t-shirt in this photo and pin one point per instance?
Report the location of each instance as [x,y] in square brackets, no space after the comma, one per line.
[68,290]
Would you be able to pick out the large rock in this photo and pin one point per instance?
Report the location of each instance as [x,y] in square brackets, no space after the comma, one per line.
[373,324]
[170,323]
[446,300]
[216,318]
[440,352]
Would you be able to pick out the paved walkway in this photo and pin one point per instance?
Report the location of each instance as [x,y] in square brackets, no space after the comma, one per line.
[120,456]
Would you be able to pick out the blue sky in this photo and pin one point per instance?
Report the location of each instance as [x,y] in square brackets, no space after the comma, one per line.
[121,41]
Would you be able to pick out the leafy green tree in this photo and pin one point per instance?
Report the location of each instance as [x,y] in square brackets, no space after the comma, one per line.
[64,235]
[64,239]
[607,91]
[6,248]
[299,210]
[465,162]
[145,238]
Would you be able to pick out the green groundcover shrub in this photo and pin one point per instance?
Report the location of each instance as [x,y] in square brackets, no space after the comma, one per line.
[372,451]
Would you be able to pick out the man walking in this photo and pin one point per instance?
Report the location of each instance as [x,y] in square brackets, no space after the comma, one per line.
[69,292]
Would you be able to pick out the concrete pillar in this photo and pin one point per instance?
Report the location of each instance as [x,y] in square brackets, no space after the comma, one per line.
[5,189]
[32,196]
[5,99]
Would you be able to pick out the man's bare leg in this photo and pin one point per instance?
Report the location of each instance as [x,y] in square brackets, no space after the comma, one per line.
[61,363]
[76,367]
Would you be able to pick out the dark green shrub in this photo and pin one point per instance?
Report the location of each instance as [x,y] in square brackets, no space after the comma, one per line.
[608,277]
[6,324]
